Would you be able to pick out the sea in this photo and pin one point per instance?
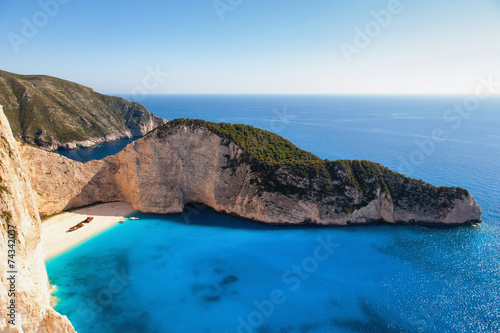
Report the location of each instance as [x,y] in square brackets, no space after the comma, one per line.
[205,272]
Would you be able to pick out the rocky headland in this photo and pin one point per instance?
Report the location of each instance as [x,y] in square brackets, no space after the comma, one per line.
[56,114]
[247,172]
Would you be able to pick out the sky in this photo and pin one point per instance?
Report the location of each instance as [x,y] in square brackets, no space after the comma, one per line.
[255,46]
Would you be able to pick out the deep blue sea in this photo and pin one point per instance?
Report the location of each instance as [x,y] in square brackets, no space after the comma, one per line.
[206,272]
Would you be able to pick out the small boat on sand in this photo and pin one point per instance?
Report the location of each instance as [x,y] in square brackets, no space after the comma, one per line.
[79,225]
[88,219]
[76,227]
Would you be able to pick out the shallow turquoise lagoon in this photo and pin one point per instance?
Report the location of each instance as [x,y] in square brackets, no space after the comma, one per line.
[218,273]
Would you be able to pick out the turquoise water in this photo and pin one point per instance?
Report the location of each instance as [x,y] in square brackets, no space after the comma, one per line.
[205,272]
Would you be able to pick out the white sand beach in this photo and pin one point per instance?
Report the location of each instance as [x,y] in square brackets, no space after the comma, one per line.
[55,238]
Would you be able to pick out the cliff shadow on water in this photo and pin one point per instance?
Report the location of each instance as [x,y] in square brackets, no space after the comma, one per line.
[198,214]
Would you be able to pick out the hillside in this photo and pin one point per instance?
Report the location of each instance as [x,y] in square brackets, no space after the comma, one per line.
[53,113]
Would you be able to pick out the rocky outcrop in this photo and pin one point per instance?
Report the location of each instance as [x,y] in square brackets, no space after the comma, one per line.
[20,220]
[52,113]
[186,163]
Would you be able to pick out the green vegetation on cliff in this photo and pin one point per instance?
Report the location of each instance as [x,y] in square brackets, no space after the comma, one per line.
[44,110]
[262,147]
[278,162]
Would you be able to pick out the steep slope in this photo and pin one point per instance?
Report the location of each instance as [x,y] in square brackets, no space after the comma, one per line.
[52,113]
[31,311]
[244,171]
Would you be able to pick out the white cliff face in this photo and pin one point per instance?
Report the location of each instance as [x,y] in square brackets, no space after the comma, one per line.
[18,209]
[59,182]
[161,173]
[468,207]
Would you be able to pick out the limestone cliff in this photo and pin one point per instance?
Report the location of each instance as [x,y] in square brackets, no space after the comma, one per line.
[52,113]
[18,214]
[246,172]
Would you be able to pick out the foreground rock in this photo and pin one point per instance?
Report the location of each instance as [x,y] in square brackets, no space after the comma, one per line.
[246,172]
[52,113]
[18,209]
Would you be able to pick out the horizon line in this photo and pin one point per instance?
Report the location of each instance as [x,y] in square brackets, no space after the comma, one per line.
[304,94]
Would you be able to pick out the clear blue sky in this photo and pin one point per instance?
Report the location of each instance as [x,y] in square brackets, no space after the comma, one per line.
[261,46]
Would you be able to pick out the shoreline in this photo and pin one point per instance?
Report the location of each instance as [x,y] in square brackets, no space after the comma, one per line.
[56,240]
